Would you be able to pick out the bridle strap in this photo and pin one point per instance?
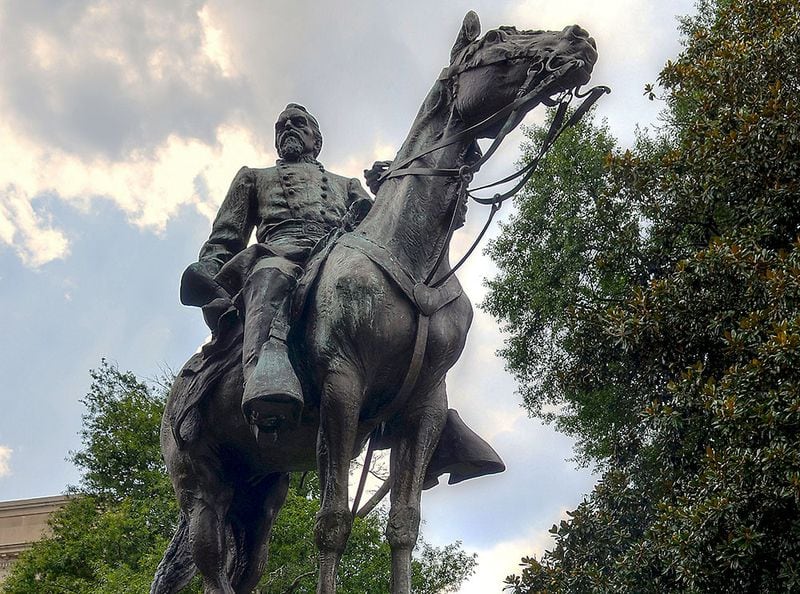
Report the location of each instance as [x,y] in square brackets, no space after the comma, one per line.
[495,207]
[456,69]
[527,171]
[401,168]
[513,114]
[557,127]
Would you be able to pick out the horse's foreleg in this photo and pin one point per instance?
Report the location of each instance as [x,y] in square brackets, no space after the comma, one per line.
[206,501]
[342,394]
[417,439]
[256,508]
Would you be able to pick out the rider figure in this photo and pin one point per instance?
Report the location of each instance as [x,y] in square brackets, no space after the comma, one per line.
[291,206]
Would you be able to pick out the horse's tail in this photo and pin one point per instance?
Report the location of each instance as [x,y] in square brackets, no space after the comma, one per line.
[177,567]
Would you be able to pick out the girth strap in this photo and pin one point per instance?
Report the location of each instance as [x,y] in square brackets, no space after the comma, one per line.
[410,379]
[427,301]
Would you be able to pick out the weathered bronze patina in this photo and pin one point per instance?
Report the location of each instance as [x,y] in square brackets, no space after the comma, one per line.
[292,207]
[377,322]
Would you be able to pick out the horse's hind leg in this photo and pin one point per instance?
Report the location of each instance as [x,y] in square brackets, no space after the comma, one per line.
[205,500]
[342,394]
[418,435]
[254,509]
[177,567]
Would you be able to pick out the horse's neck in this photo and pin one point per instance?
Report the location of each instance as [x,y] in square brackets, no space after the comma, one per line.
[412,213]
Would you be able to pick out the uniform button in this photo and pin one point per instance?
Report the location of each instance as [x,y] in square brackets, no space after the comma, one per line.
[324,178]
[324,194]
[322,211]
[290,191]
[285,176]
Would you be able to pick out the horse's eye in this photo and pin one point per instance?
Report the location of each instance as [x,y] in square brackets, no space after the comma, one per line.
[492,37]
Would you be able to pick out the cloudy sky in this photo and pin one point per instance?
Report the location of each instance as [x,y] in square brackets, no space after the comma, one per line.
[121,126]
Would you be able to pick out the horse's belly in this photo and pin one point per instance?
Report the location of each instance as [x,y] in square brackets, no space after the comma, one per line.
[293,451]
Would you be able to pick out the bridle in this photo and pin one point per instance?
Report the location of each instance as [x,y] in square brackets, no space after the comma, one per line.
[510,116]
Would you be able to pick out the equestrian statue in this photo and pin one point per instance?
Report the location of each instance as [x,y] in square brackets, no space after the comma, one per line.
[336,327]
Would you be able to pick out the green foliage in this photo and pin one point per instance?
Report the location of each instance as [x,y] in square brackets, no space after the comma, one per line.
[110,537]
[112,534]
[572,244]
[682,381]
[121,456]
[434,568]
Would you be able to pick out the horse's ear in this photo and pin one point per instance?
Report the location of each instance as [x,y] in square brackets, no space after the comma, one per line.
[469,32]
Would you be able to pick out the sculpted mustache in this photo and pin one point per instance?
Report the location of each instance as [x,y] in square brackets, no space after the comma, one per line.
[290,134]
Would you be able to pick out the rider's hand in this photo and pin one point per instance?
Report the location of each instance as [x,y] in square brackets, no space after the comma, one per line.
[372,175]
[356,213]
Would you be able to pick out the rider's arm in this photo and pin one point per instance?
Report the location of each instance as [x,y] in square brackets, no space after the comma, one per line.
[355,191]
[229,235]
[359,202]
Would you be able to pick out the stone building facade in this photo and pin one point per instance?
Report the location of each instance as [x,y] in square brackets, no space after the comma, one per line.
[23,522]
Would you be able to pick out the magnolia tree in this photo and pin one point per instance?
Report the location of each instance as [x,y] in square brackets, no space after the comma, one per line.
[653,296]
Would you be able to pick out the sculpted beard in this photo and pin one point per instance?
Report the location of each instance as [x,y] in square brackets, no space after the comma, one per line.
[291,146]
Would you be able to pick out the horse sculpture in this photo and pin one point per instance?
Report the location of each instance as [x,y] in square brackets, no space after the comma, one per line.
[383,322]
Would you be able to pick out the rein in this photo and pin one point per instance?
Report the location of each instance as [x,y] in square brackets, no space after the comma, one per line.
[557,127]
[513,113]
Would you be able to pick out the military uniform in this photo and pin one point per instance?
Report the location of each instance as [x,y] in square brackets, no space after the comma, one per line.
[291,207]
[265,198]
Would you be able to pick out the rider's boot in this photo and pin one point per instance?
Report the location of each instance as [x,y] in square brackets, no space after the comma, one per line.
[273,397]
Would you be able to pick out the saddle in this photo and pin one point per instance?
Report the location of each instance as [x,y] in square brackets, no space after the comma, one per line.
[461,452]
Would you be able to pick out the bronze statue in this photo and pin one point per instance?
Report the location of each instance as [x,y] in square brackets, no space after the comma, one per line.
[292,207]
[378,319]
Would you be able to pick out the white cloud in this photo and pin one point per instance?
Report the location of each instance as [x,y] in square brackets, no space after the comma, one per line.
[353,164]
[31,236]
[215,44]
[5,460]
[503,558]
[89,36]
[44,50]
[149,186]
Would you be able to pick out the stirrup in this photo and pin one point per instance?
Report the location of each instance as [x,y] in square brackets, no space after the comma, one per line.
[273,396]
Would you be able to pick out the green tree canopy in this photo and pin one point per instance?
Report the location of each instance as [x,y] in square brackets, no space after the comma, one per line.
[665,322]
[110,537]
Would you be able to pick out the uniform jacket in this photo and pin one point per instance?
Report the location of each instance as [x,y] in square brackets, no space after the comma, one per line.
[262,198]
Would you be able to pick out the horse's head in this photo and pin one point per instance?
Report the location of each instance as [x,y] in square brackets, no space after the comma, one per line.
[489,73]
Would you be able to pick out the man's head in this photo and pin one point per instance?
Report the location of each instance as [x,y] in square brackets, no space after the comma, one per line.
[297,134]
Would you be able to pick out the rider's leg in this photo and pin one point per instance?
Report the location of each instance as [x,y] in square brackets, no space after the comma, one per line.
[342,396]
[272,393]
[418,435]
